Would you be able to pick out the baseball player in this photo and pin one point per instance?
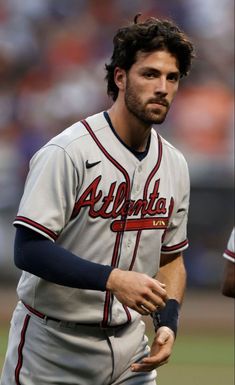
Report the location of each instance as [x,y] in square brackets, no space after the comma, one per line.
[101,229]
[228,284]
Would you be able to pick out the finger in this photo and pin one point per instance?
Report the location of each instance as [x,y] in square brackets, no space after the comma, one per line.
[158,287]
[142,368]
[156,300]
[148,306]
[153,360]
[147,367]
[160,291]
[141,310]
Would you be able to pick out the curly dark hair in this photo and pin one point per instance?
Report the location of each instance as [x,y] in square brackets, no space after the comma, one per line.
[147,36]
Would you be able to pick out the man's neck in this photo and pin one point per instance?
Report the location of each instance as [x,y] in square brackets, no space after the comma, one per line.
[134,134]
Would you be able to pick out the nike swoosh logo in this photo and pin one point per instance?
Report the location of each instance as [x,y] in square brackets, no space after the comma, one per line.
[89,165]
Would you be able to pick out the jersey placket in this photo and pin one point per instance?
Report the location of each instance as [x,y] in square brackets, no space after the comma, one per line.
[119,237]
[136,193]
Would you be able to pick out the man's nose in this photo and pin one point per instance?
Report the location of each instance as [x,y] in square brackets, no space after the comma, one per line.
[161,85]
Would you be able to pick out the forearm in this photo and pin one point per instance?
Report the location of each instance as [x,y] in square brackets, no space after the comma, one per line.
[173,274]
[45,259]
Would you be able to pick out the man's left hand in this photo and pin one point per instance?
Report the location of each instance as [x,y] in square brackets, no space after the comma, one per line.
[160,352]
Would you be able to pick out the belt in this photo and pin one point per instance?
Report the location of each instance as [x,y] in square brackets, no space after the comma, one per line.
[72,323]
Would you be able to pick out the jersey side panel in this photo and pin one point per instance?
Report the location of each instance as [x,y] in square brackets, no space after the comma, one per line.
[175,166]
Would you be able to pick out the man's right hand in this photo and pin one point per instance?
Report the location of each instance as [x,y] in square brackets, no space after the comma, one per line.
[137,290]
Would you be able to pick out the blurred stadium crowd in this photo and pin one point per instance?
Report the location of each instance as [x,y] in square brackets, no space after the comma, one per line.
[52,55]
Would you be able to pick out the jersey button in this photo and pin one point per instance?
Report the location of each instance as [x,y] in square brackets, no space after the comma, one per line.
[140,168]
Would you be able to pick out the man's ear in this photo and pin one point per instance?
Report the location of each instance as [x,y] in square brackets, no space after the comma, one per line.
[120,78]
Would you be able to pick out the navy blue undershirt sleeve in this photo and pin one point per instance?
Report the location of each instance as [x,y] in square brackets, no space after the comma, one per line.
[39,256]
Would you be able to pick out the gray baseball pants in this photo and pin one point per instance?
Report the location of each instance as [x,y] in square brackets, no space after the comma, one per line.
[47,352]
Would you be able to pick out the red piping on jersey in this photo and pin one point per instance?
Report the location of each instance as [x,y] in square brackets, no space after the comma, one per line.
[37,226]
[140,224]
[94,137]
[229,253]
[171,208]
[104,322]
[115,259]
[153,172]
[20,350]
[156,167]
[127,313]
[175,247]
[108,294]
[135,250]
[34,311]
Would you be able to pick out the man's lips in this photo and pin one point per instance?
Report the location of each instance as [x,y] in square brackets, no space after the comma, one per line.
[159,103]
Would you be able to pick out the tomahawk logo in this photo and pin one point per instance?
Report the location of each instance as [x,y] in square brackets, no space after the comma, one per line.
[159,223]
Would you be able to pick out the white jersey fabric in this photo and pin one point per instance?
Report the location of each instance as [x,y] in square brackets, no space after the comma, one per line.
[89,193]
[229,252]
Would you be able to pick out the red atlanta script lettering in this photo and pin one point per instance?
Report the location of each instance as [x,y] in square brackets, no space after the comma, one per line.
[118,204]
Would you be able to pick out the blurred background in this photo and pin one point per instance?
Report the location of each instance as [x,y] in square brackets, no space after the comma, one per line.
[52,56]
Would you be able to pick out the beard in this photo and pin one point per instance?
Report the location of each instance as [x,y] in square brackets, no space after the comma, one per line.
[143,111]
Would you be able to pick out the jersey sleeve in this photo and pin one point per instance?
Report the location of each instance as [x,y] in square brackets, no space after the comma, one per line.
[175,237]
[50,192]
[229,252]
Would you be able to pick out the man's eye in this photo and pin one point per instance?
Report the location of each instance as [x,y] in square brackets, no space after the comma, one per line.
[149,75]
[173,78]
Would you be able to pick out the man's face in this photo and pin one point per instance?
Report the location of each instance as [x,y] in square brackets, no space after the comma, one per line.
[151,85]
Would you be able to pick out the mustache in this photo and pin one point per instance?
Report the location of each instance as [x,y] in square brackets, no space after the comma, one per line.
[161,101]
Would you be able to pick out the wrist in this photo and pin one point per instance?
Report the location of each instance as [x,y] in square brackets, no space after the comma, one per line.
[111,281]
[165,329]
[168,316]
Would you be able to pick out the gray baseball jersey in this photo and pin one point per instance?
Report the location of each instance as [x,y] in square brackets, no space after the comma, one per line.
[229,252]
[89,193]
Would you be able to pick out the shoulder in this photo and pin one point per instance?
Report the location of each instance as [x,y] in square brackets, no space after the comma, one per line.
[78,134]
[73,141]
[169,152]
[230,250]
